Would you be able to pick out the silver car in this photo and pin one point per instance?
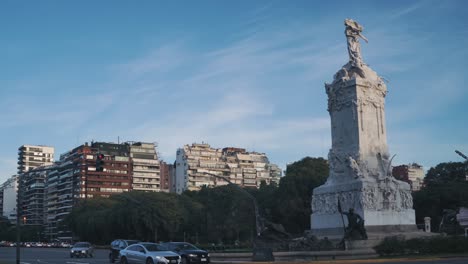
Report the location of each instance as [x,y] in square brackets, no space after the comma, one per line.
[82,249]
[148,253]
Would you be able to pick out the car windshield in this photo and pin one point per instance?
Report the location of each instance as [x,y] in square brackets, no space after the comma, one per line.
[154,247]
[184,246]
[81,245]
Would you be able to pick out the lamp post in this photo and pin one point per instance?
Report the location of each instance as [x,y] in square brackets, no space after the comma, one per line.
[466,163]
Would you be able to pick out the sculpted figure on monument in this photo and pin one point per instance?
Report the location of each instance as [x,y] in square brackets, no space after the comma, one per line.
[355,229]
[353,33]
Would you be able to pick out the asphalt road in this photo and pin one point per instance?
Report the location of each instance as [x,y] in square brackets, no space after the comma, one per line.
[50,256]
[62,256]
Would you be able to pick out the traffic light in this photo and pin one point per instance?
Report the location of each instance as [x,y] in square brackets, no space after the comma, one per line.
[100,162]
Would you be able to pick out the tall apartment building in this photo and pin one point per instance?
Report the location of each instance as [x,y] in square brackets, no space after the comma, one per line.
[195,162]
[127,166]
[8,192]
[146,166]
[411,173]
[32,156]
[166,180]
[74,177]
[31,188]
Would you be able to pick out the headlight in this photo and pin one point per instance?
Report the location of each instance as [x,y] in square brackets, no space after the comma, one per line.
[83,251]
[71,251]
[192,255]
[208,254]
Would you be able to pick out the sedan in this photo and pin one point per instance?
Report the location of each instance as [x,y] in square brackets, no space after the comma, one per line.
[82,249]
[148,253]
[188,252]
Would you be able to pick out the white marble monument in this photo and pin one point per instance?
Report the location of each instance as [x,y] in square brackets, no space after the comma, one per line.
[360,164]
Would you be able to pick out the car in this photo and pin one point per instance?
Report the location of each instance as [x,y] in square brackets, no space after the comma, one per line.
[82,249]
[118,245]
[148,253]
[188,252]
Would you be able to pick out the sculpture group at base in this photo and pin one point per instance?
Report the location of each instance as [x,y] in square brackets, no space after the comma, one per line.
[355,229]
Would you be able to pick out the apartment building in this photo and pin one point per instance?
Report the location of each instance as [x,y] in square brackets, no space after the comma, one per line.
[196,163]
[126,166]
[411,173]
[146,166]
[33,156]
[166,179]
[32,190]
[8,191]
[75,177]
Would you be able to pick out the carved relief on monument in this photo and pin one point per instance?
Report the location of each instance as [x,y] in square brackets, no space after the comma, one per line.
[328,203]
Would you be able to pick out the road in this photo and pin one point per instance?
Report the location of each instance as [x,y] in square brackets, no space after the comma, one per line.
[50,256]
[62,256]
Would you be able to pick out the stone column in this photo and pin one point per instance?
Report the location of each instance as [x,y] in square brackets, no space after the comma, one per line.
[427,224]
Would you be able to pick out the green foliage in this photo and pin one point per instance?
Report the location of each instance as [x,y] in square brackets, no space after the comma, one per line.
[448,172]
[7,230]
[211,215]
[445,188]
[391,246]
[137,215]
[293,199]
[422,246]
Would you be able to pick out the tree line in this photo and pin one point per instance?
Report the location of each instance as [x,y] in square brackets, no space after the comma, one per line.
[226,213]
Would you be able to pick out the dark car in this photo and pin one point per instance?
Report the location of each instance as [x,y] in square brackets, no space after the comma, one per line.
[188,252]
[82,249]
[118,245]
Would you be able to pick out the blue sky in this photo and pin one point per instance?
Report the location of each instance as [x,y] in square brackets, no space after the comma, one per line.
[231,73]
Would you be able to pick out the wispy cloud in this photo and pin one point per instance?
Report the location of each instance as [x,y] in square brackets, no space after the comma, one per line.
[407,10]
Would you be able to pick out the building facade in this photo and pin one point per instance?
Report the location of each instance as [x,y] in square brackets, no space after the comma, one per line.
[127,166]
[194,164]
[166,180]
[74,177]
[146,166]
[33,156]
[411,173]
[32,190]
[8,192]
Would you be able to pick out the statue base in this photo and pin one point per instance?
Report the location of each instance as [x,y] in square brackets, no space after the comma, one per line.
[384,205]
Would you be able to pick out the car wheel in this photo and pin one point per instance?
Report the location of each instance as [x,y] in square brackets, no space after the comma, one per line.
[149,261]
[71,256]
[111,259]
[123,260]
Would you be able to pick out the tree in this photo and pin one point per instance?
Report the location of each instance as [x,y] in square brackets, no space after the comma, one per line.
[445,188]
[446,172]
[7,230]
[294,194]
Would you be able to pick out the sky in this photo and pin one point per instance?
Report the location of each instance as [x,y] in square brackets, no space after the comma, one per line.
[244,73]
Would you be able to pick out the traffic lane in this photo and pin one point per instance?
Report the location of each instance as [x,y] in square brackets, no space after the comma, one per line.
[50,256]
[438,260]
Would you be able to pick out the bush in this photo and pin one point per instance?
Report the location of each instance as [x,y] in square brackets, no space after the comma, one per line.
[394,245]
[422,246]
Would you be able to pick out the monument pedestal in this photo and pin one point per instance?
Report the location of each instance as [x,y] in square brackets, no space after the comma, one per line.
[384,205]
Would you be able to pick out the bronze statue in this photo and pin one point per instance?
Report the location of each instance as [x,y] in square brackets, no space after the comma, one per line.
[355,227]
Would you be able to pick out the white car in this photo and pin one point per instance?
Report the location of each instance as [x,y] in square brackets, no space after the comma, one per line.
[148,253]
